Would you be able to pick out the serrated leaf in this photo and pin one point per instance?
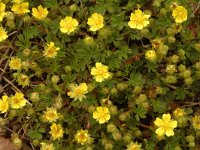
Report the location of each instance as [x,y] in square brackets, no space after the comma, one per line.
[136,79]
[30,32]
[50,3]
[140,111]
[180,93]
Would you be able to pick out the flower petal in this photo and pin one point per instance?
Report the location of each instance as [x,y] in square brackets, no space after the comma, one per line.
[169,132]
[160,131]
[166,117]
[158,122]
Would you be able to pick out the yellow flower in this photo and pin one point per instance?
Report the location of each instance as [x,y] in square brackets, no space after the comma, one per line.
[78,92]
[134,146]
[165,125]
[3,34]
[95,22]
[4,104]
[50,50]
[51,114]
[82,136]
[15,63]
[68,25]
[178,112]
[100,72]
[171,69]
[2,11]
[179,14]
[101,114]
[17,1]
[138,20]
[23,80]
[40,12]
[20,8]
[17,101]
[150,55]
[46,146]
[56,131]
[196,121]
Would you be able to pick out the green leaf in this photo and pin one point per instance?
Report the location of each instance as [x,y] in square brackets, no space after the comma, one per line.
[30,32]
[159,106]
[50,3]
[36,134]
[140,112]
[136,79]
[180,93]
[23,42]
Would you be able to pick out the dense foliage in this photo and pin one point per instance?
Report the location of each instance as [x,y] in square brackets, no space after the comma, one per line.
[100,74]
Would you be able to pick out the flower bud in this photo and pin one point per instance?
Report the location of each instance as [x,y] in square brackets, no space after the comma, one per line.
[117,135]
[12,113]
[105,90]
[58,102]
[151,55]
[73,7]
[137,90]
[122,86]
[26,18]
[181,68]
[160,90]
[189,81]
[191,144]
[36,142]
[89,40]
[10,16]
[111,128]
[91,87]
[164,50]
[119,74]
[104,32]
[127,138]
[170,79]
[3,121]
[123,116]
[10,24]
[190,138]
[174,59]
[108,146]
[171,39]
[182,122]
[16,140]
[181,54]
[197,47]
[91,109]
[177,148]
[67,69]
[30,111]
[197,66]
[34,97]
[186,74]
[113,91]
[113,110]
[55,79]
[171,69]
[26,52]
[170,31]
[156,3]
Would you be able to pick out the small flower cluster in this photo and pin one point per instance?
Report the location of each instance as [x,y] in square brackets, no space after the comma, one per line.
[16,102]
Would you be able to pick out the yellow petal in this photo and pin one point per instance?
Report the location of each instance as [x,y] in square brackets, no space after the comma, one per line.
[158,122]
[173,124]
[100,109]
[95,115]
[166,117]
[169,132]
[160,131]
